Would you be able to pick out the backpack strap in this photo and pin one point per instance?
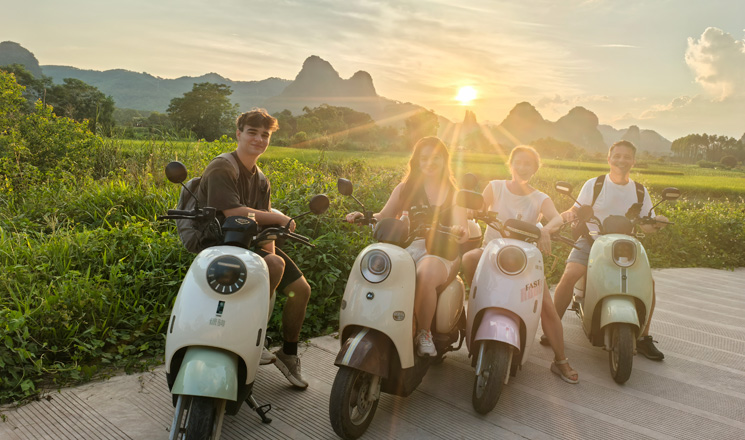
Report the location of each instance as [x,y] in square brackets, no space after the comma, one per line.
[639,192]
[599,182]
[230,157]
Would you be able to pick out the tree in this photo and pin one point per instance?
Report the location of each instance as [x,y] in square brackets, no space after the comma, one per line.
[35,87]
[420,124]
[206,110]
[80,101]
[556,149]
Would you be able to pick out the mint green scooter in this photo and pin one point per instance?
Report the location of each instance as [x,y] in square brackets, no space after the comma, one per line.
[613,305]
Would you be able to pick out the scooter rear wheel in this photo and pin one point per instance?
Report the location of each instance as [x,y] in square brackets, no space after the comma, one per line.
[487,387]
[350,411]
[621,356]
[200,418]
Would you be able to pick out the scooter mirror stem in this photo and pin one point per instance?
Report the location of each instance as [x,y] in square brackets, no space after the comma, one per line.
[196,200]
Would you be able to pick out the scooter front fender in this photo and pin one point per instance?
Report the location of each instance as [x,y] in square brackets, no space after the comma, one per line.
[499,325]
[617,309]
[208,372]
[366,350]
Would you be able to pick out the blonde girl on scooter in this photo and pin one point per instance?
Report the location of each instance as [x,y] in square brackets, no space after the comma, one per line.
[516,199]
[428,182]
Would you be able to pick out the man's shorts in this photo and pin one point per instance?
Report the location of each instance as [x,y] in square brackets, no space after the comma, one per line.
[292,272]
[581,255]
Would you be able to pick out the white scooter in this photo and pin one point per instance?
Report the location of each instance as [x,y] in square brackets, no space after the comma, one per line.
[376,324]
[218,324]
[504,306]
[613,305]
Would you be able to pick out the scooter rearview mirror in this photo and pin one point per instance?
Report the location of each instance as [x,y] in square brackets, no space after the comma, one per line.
[564,188]
[345,187]
[470,182]
[670,193]
[319,204]
[176,172]
[469,199]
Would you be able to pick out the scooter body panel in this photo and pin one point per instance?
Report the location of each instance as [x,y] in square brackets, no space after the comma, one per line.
[618,309]
[207,372]
[518,296]
[235,323]
[366,350]
[373,305]
[450,306]
[499,325]
[606,279]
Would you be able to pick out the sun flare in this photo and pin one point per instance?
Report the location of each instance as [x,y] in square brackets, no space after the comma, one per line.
[466,94]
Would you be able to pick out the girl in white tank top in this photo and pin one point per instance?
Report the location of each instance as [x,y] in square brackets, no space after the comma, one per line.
[515,199]
[509,205]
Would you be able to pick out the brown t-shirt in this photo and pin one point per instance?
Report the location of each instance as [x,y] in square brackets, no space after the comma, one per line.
[220,189]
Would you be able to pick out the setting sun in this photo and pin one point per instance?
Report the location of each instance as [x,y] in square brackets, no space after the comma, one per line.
[466,94]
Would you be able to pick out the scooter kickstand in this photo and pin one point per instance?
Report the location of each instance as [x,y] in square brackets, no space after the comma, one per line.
[261,410]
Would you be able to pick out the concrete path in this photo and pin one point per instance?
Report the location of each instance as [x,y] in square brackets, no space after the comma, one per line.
[697,392]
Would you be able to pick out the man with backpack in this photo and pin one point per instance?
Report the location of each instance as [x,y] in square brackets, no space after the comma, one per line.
[611,194]
[235,186]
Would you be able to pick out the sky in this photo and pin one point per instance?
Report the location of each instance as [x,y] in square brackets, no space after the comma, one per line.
[673,66]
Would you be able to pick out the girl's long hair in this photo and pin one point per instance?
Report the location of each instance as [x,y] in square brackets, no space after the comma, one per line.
[414,181]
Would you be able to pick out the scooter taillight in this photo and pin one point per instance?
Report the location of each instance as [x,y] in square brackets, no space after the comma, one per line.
[511,260]
[624,253]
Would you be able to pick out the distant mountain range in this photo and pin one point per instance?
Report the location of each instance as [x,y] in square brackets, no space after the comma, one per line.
[319,83]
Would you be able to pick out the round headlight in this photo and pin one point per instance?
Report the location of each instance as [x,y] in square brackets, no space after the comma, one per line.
[624,253]
[226,274]
[375,266]
[511,260]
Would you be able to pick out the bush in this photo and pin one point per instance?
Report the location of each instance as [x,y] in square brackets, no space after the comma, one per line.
[728,161]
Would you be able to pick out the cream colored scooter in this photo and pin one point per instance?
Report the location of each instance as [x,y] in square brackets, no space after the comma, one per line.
[218,323]
[614,302]
[376,326]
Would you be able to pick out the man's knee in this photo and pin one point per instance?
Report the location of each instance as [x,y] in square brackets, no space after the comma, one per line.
[573,272]
[299,290]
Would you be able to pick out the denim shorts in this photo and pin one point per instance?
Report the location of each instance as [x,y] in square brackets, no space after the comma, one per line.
[581,255]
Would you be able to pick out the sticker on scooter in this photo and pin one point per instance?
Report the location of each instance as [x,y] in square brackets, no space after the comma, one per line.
[217,322]
[531,290]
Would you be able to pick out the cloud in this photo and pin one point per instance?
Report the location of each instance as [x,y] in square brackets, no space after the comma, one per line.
[718,61]
[624,46]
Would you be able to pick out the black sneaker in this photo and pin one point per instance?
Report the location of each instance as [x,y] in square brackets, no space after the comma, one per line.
[645,346]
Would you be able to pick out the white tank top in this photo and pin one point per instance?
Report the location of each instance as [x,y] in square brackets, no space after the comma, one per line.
[512,206]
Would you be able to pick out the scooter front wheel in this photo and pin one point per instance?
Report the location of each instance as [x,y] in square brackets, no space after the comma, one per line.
[621,355]
[487,386]
[350,407]
[200,418]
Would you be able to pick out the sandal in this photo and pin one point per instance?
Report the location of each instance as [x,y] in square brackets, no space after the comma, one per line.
[556,370]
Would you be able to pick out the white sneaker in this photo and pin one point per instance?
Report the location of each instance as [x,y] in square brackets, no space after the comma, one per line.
[424,343]
[267,357]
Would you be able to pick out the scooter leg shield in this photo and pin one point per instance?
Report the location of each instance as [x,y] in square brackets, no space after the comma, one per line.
[208,372]
[366,350]
[618,309]
[497,325]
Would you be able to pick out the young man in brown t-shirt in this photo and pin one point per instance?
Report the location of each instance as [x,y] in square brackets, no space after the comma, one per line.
[250,192]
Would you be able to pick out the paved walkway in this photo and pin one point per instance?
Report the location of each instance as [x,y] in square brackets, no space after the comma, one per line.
[697,392]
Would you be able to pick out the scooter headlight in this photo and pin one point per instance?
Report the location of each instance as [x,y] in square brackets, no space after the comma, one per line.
[624,253]
[375,266]
[511,260]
